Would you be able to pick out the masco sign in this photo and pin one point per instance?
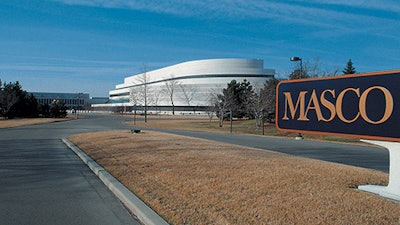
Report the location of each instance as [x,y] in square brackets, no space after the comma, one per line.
[362,105]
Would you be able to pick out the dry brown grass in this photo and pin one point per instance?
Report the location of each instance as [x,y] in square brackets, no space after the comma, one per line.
[195,181]
[202,123]
[24,122]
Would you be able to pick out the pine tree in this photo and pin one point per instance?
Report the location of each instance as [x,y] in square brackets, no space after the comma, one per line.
[238,98]
[349,68]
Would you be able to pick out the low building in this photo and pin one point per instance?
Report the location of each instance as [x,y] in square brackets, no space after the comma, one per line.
[79,101]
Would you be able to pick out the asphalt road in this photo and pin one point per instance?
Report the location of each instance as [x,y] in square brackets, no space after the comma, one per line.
[43,182]
[349,154]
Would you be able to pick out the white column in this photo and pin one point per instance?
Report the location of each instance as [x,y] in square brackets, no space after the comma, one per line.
[391,191]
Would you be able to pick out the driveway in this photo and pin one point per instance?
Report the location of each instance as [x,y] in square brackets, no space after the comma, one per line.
[43,182]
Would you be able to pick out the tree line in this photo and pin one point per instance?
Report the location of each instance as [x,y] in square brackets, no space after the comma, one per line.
[238,99]
[143,95]
[313,70]
[18,103]
[244,100]
[255,101]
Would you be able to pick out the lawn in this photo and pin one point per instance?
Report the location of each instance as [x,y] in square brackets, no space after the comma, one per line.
[29,121]
[195,181]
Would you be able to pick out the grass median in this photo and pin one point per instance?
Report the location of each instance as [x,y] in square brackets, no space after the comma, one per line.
[196,181]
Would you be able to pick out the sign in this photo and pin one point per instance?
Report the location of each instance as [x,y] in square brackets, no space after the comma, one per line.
[359,105]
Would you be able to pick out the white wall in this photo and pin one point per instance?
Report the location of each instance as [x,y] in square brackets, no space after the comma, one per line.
[205,81]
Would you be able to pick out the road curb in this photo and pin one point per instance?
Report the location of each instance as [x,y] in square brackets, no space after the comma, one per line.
[143,212]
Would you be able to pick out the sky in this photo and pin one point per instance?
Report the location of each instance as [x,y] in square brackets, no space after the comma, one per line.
[90,46]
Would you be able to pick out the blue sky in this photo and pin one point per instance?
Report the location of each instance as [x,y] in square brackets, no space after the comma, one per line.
[91,45]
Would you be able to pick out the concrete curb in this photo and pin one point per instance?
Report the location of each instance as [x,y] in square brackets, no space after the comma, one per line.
[143,212]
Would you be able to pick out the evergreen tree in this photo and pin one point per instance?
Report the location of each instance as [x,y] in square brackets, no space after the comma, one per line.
[229,99]
[246,99]
[44,110]
[9,97]
[30,106]
[349,69]
[17,103]
[237,97]
[58,109]
[27,105]
[269,94]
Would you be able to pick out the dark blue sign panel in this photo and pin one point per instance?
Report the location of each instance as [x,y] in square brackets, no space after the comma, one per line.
[362,105]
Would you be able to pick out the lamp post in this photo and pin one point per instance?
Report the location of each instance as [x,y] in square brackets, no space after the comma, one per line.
[295,59]
[230,120]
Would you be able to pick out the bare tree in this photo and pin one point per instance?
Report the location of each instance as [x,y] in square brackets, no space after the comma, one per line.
[156,97]
[314,69]
[140,94]
[334,72]
[259,103]
[135,98]
[264,104]
[212,103]
[219,103]
[210,110]
[317,70]
[188,93]
[170,88]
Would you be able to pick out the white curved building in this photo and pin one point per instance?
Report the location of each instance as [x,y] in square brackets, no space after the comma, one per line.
[192,82]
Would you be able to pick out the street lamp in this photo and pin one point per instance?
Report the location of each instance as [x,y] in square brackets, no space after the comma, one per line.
[294,59]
